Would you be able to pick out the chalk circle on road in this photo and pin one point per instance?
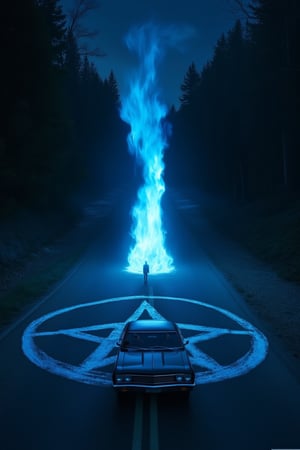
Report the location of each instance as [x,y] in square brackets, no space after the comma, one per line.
[40,344]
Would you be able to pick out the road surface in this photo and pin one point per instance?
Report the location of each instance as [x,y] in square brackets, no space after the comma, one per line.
[56,363]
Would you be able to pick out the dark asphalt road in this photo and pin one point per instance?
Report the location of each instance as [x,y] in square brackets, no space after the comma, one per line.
[63,400]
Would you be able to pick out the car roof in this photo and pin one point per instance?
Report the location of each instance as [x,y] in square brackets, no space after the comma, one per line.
[151,325]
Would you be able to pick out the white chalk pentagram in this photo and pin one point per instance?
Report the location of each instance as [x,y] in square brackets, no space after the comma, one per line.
[91,370]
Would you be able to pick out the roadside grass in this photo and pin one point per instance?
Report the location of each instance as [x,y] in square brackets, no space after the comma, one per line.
[35,285]
[269,229]
[38,251]
[276,240]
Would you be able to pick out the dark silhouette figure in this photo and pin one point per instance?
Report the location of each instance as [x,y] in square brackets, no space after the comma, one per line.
[145,272]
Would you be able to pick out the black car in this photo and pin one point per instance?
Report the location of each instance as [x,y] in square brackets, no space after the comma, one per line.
[152,358]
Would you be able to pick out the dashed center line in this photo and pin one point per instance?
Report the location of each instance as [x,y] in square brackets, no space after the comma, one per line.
[150,295]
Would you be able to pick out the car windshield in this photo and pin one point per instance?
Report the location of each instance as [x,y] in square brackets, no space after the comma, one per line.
[152,340]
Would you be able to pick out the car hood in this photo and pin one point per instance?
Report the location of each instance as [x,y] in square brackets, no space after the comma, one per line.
[153,361]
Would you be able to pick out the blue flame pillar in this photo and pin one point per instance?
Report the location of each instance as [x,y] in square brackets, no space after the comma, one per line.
[145,114]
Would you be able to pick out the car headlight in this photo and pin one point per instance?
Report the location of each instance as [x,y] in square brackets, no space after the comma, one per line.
[183,378]
[123,378]
[179,378]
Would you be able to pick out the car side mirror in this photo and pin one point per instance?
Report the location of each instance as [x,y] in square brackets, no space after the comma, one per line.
[118,344]
[185,342]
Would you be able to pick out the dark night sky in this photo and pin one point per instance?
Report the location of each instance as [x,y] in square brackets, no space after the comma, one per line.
[113,19]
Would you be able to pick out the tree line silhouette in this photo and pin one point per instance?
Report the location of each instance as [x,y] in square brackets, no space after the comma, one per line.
[60,127]
[235,133]
[237,129]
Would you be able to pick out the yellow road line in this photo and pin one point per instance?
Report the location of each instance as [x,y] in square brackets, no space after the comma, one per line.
[138,424]
[137,439]
[154,440]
